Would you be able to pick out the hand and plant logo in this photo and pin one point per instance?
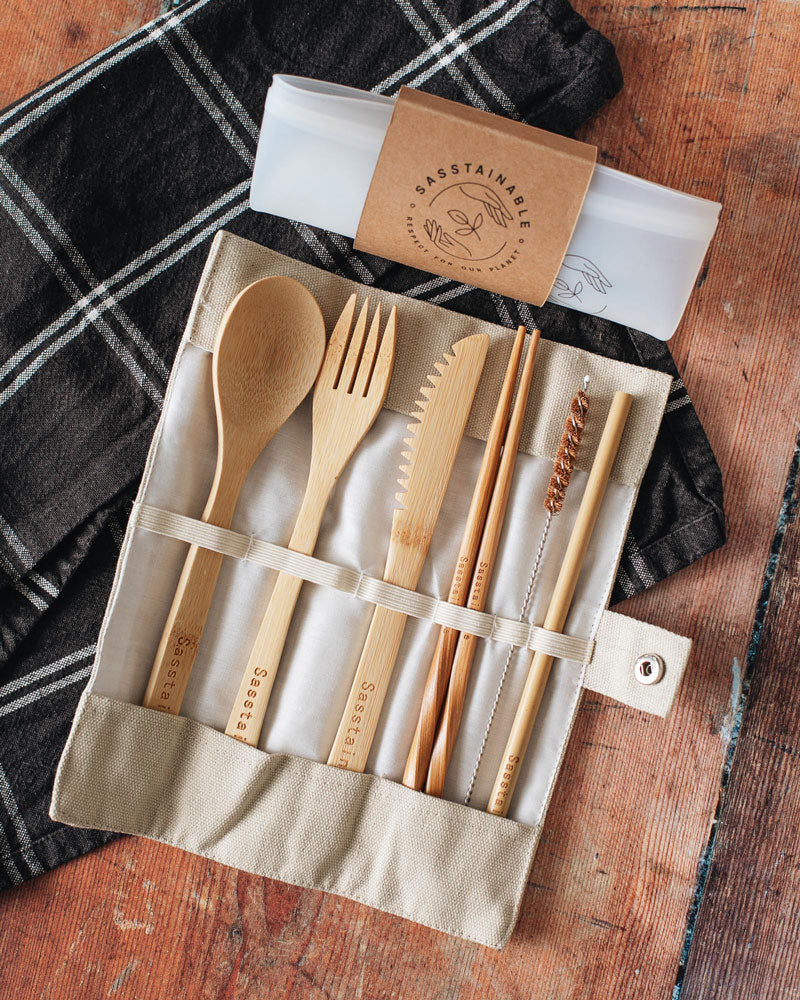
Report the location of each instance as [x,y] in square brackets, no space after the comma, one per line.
[469,221]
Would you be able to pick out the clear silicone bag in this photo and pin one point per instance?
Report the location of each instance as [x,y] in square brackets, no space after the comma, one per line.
[634,255]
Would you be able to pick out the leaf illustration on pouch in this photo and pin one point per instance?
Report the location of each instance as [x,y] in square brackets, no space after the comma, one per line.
[458,216]
[467,228]
[494,207]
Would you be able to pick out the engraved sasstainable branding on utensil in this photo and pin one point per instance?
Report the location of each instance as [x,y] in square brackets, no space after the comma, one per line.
[182,640]
[469,215]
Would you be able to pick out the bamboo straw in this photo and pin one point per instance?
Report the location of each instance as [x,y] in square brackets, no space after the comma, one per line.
[467,644]
[439,671]
[522,727]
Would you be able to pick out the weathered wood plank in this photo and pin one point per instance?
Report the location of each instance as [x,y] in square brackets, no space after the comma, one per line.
[710,106]
[745,939]
[37,43]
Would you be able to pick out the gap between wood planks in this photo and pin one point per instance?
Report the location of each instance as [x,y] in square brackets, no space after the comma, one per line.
[739,693]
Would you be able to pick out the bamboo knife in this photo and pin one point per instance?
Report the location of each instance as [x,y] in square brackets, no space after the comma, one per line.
[433,444]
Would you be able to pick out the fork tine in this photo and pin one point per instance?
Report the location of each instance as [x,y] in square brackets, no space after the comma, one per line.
[368,356]
[335,352]
[350,366]
[382,372]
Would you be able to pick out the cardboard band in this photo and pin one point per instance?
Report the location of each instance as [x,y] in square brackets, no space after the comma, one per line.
[474,197]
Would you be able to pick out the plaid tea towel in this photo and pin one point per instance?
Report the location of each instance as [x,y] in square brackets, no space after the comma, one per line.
[113,180]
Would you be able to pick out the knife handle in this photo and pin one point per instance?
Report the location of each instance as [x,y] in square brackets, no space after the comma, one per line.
[360,718]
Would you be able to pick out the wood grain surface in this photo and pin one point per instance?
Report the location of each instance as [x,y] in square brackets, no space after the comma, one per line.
[631,850]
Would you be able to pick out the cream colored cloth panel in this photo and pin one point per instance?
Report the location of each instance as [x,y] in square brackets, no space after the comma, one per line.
[620,643]
[133,770]
[424,328]
[365,588]
[611,659]
[317,665]
[180,780]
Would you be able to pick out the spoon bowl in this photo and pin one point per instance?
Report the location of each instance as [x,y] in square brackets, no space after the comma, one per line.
[269,351]
[267,356]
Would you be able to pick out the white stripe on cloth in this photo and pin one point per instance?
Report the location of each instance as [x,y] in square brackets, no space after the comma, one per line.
[469,58]
[51,95]
[33,696]
[636,560]
[464,46]
[428,36]
[80,263]
[22,588]
[206,101]
[21,830]
[451,293]
[356,263]
[15,542]
[51,668]
[44,584]
[438,45]
[7,859]
[50,257]
[225,92]
[237,195]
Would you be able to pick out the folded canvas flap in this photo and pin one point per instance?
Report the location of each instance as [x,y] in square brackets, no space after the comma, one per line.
[638,664]
[277,810]
[137,771]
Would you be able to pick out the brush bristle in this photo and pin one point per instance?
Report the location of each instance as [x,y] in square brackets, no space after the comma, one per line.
[567,452]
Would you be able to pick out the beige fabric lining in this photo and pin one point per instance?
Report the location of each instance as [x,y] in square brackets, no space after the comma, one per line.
[128,769]
[235,262]
[366,588]
[133,770]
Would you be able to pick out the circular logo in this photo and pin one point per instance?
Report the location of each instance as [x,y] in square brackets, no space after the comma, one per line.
[468,221]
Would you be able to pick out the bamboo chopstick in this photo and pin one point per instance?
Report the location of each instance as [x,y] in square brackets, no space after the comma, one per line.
[439,671]
[560,602]
[487,553]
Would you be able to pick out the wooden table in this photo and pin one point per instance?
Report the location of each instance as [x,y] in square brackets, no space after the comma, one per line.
[670,853]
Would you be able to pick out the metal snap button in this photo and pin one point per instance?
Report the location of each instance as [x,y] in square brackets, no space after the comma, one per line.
[649,669]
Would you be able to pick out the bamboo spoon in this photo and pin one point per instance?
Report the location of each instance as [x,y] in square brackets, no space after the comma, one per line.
[439,671]
[467,644]
[350,392]
[267,355]
[560,602]
[435,438]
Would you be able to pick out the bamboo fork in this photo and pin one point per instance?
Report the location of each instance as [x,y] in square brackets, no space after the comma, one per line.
[467,644]
[349,394]
[441,664]
[560,602]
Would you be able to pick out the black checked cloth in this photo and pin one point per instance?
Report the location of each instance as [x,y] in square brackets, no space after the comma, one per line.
[113,179]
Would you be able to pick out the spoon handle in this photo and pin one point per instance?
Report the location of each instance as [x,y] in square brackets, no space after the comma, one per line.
[247,715]
[180,639]
[184,627]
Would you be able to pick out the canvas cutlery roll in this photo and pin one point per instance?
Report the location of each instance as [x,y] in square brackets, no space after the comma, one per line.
[277,809]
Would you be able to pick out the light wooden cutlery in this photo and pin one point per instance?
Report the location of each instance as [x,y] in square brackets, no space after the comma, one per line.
[490,542]
[439,671]
[348,397]
[268,352]
[432,450]
[560,602]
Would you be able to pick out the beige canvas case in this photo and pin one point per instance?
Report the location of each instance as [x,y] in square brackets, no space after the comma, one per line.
[277,810]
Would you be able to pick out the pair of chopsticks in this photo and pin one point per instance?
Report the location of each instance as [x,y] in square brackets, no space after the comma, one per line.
[448,675]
